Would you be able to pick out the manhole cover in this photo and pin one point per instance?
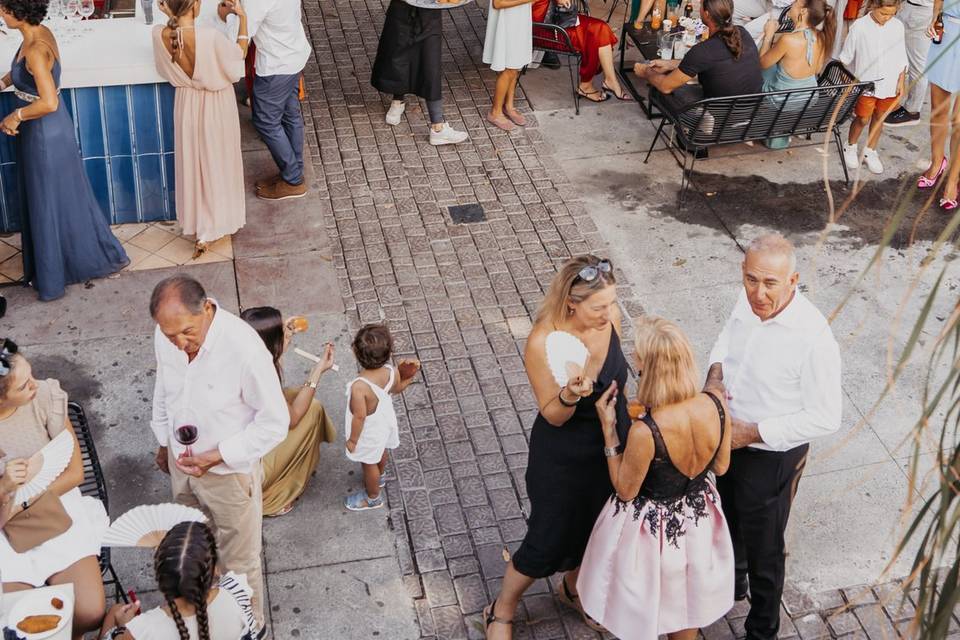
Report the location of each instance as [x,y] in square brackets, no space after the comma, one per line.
[464,213]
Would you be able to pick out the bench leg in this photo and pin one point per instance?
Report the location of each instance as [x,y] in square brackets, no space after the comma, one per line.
[685,179]
[838,141]
[574,84]
[655,138]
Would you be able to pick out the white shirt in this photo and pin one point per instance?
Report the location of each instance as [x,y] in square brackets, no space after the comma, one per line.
[231,389]
[875,53]
[275,26]
[783,374]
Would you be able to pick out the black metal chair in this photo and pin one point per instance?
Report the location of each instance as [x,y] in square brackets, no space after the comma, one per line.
[553,39]
[94,485]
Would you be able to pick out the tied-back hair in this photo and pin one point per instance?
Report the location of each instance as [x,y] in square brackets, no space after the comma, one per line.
[268,323]
[823,18]
[178,8]
[567,286]
[877,4]
[721,12]
[185,564]
[668,369]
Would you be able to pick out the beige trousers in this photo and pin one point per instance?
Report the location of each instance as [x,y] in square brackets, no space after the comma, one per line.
[234,508]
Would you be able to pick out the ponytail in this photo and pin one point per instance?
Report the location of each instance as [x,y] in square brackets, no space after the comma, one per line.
[177,8]
[823,19]
[721,13]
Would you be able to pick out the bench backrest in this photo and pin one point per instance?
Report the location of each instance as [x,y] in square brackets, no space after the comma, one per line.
[733,119]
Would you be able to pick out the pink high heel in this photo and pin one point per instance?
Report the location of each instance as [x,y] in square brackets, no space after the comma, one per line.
[947,204]
[923,182]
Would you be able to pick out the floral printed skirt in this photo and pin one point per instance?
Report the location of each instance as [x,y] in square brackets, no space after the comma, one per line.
[655,567]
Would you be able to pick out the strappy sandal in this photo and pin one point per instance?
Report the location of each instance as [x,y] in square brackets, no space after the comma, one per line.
[587,94]
[573,601]
[623,95]
[489,618]
[923,182]
[199,249]
[949,204]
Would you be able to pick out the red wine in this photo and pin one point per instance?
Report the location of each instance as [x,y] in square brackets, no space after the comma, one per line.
[186,435]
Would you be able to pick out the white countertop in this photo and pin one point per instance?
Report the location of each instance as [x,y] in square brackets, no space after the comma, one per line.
[113,52]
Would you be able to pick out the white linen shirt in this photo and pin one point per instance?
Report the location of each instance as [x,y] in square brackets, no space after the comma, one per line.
[276,27]
[783,374]
[232,389]
[875,53]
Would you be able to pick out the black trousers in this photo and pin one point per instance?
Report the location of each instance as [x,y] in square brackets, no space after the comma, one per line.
[757,492]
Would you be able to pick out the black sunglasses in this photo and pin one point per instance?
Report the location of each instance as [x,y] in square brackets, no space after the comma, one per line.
[7,352]
[593,271]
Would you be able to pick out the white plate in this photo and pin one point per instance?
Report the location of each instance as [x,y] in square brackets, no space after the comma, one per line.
[38,604]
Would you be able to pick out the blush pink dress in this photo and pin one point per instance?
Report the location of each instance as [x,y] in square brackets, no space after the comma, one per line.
[209,166]
[663,562]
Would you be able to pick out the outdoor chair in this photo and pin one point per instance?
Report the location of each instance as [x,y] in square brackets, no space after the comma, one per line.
[757,117]
[94,485]
[551,38]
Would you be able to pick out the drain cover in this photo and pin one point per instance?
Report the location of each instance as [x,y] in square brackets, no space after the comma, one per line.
[465,213]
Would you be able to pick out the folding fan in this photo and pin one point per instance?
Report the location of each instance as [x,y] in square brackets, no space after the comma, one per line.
[309,356]
[45,465]
[146,525]
[566,356]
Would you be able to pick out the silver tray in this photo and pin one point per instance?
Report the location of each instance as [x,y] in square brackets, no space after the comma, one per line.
[433,4]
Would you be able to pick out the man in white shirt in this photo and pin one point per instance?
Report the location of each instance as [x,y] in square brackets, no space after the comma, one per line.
[780,364]
[282,51]
[215,374]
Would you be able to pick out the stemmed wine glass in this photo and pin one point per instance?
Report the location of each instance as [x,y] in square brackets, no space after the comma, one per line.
[87,9]
[69,8]
[185,430]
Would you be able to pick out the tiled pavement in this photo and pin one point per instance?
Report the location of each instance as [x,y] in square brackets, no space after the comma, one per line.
[149,245]
[460,298]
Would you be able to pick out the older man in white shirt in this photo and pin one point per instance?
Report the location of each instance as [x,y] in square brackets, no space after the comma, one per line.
[781,367]
[282,52]
[215,374]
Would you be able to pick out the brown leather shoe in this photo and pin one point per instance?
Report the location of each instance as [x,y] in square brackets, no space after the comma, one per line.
[282,190]
[267,182]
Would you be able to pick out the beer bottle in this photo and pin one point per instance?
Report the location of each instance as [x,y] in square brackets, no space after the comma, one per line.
[688,9]
[938,29]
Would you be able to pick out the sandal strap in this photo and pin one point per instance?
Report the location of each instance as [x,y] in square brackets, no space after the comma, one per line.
[490,617]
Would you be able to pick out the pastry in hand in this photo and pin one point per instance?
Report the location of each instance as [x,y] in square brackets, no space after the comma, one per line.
[38,624]
[408,368]
[635,410]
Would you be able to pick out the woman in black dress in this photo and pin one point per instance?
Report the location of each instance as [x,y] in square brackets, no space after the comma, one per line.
[567,478]
[408,61]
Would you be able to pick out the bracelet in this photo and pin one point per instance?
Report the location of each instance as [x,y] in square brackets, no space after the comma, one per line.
[311,384]
[19,116]
[611,452]
[243,37]
[569,405]
[116,632]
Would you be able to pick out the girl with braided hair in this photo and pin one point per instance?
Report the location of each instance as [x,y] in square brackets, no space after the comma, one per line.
[198,605]
[725,64]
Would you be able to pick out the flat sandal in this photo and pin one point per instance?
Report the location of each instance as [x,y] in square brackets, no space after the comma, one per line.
[489,618]
[573,601]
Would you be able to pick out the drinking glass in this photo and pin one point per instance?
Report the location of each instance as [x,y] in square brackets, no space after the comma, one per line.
[87,9]
[185,429]
[69,8]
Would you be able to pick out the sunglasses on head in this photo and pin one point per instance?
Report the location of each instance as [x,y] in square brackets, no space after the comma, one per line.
[593,271]
[7,352]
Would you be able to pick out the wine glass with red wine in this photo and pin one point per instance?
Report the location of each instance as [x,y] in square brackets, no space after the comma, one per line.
[185,430]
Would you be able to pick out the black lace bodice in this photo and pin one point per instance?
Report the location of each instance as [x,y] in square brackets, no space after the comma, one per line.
[669,488]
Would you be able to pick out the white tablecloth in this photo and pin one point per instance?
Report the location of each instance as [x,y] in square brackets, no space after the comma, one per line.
[7,600]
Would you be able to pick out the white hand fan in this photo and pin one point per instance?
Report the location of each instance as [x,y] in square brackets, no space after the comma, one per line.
[146,525]
[45,465]
[566,356]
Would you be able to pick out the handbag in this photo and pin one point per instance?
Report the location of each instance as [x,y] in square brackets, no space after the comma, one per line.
[43,520]
[563,17]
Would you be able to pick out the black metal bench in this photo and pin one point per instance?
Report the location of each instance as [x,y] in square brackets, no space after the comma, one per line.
[93,485]
[758,117]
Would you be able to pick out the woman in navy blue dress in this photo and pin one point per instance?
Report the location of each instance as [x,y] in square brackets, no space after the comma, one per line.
[66,238]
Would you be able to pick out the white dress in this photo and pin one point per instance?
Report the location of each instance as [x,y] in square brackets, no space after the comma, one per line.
[380,429]
[21,435]
[229,614]
[509,41]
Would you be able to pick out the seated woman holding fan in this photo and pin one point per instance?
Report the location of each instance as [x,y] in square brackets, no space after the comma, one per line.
[199,605]
[33,415]
[664,514]
[287,469]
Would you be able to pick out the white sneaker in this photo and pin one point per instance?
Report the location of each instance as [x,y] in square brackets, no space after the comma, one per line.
[396,110]
[446,135]
[851,156]
[872,160]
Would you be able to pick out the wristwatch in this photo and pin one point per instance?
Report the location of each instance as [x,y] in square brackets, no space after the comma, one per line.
[311,384]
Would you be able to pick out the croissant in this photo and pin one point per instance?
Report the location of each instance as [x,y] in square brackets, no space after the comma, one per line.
[38,624]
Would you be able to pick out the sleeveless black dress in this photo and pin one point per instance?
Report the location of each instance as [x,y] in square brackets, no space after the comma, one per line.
[567,478]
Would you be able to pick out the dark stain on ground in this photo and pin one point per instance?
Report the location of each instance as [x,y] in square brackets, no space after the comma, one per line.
[725,203]
[74,378]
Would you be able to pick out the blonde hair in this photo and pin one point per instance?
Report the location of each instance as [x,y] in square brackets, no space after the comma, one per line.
[668,370]
[566,285]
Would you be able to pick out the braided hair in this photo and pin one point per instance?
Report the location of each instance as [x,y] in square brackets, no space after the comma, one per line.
[178,8]
[721,12]
[185,564]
